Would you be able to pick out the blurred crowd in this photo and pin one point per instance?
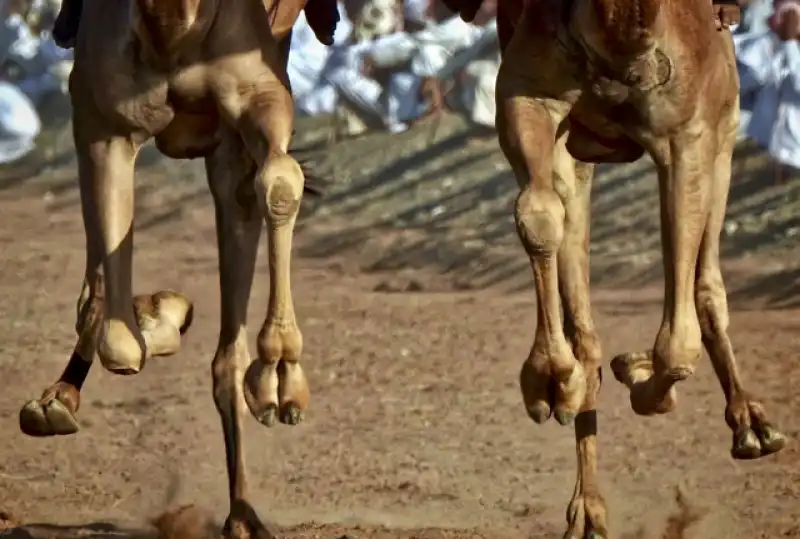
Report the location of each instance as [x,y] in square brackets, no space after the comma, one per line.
[394,63]
[32,70]
[768,59]
[397,62]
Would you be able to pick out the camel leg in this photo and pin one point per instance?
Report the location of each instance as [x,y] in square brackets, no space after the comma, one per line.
[586,514]
[551,377]
[127,338]
[164,316]
[238,233]
[685,170]
[753,434]
[54,412]
[107,190]
[275,385]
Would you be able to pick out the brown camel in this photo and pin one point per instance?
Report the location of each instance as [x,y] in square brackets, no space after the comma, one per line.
[204,81]
[603,81]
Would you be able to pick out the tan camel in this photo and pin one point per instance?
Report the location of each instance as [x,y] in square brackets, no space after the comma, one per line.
[204,82]
[600,81]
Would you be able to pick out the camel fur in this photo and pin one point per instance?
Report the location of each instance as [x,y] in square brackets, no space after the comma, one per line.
[604,81]
[204,78]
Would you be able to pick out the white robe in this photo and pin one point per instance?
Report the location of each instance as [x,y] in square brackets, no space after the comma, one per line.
[477,91]
[19,124]
[427,51]
[769,71]
[40,64]
[307,60]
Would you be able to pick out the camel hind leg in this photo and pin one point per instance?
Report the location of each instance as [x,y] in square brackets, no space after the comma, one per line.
[694,199]
[54,412]
[238,232]
[753,434]
[126,338]
[163,317]
[586,513]
[685,165]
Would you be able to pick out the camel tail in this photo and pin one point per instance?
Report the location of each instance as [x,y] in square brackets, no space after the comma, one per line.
[628,25]
[311,162]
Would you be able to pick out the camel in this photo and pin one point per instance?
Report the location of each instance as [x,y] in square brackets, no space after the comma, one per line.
[203,81]
[604,81]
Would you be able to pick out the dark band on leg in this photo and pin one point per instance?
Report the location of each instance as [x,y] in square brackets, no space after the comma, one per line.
[76,371]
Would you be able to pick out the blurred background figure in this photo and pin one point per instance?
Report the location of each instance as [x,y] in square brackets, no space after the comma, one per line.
[474,73]
[368,96]
[32,71]
[768,60]
[30,58]
[19,124]
[308,59]
[390,74]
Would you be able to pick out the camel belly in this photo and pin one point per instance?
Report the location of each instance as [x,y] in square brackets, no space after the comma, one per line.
[194,129]
[595,139]
[189,135]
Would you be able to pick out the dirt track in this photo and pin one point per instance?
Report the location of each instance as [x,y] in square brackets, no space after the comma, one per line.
[417,310]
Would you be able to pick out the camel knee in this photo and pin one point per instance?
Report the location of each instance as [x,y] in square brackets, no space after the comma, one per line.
[279,188]
[539,216]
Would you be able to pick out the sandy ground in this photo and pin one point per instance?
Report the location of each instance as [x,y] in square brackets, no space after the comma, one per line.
[416,321]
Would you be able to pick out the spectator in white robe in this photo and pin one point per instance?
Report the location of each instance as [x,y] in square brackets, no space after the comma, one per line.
[425,52]
[308,58]
[474,70]
[34,63]
[769,71]
[19,124]
[363,101]
[755,16]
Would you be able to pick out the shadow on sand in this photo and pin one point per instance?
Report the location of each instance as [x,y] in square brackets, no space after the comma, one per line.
[447,205]
[189,522]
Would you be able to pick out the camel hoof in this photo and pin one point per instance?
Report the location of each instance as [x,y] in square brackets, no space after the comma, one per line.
[268,416]
[291,414]
[635,371]
[564,417]
[261,392]
[243,523]
[293,392]
[570,396]
[771,439]
[644,403]
[120,349]
[164,306]
[631,368]
[584,518]
[539,412]
[47,419]
[760,441]
[544,396]
[753,436]
[163,318]
[745,444]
